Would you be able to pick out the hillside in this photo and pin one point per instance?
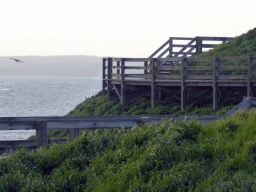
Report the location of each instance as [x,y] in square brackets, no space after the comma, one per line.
[168,156]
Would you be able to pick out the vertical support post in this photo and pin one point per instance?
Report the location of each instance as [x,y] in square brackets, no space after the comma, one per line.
[122,82]
[198,45]
[73,133]
[103,76]
[118,69]
[153,84]
[109,86]
[224,40]
[183,83]
[145,65]
[216,63]
[170,50]
[159,95]
[41,133]
[249,77]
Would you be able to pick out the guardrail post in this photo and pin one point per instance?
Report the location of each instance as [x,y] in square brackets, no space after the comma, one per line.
[249,78]
[216,63]
[109,86]
[153,84]
[41,133]
[183,83]
[103,76]
[145,120]
[73,133]
[123,88]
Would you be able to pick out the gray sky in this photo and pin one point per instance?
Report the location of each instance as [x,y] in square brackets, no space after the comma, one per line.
[133,28]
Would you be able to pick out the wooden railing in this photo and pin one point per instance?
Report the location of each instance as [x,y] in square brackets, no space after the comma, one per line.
[193,47]
[42,124]
[192,71]
[217,68]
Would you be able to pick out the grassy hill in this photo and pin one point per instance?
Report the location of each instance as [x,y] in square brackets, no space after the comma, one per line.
[168,156]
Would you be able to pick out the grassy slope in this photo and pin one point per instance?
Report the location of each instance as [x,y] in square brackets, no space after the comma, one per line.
[183,156]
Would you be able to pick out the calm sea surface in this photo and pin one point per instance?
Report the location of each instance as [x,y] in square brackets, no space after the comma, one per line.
[42,96]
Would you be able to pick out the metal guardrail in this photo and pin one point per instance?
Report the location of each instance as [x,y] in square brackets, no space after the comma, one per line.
[74,123]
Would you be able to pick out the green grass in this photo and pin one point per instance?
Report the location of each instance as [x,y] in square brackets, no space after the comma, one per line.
[168,156]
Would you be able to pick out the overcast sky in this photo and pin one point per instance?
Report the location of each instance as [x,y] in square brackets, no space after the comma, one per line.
[133,28]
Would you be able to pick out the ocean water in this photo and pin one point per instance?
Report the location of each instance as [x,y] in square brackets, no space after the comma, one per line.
[42,96]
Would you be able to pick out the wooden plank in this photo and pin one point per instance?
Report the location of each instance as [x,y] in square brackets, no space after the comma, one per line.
[232,67]
[161,76]
[103,76]
[196,68]
[116,75]
[231,77]
[162,67]
[116,67]
[137,67]
[207,45]
[73,133]
[138,75]
[249,77]
[199,77]
[117,92]
[216,63]
[200,59]
[116,59]
[122,82]
[153,84]
[41,133]
[180,45]
[137,59]
[215,38]
[17,125]
[109,86]
[169,59]
[234,58]
[182,38]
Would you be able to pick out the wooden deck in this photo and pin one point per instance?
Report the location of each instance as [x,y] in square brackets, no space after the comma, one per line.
[186,74]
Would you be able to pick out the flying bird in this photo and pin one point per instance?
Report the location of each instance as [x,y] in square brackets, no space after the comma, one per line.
[17,60]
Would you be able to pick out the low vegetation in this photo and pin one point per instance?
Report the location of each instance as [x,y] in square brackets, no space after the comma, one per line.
[168,156]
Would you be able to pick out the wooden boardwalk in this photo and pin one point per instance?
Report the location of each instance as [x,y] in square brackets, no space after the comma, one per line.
[187,74]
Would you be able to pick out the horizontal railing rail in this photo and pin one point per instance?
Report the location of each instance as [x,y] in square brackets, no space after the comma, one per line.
[42,124]
[195,46]
[194,69]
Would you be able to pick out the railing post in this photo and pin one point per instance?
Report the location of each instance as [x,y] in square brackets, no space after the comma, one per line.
[249,78]
[123,88]
[216,63]
[153,84]
[183,83]
[109,86]
[198,45]
[41,133]
[145,65]
[103,76]
[118,69]
[73,133]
